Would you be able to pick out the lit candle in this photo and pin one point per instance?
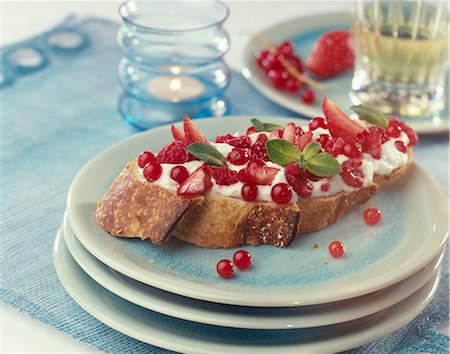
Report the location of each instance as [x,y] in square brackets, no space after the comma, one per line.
[175,88]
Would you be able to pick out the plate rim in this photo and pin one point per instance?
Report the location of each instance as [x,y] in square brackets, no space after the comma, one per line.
[229,296]
[358,337]
[248,70]
[120,287]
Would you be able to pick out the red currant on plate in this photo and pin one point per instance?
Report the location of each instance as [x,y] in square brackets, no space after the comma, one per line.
[249,192]
[179,174]
[242,259]
[372,216]
[308,96]
[152,171]
[225,268]
[281,193]
[336,249]
[144,158]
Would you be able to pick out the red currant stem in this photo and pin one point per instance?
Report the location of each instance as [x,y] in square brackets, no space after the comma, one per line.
[287,65]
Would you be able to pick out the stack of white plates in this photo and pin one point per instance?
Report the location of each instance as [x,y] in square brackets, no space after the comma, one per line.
[296,299]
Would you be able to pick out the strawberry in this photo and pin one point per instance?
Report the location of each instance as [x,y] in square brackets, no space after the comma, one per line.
[198,183]
[340,124]
[276,134]
[289,132]
[258,151]
[332,54]
[191,132]
[258,173]
[223,175]
[177,133]
[174,152]
[303,140]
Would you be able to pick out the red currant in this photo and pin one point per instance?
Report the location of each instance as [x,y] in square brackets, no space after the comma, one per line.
[238,156]
[336,249]
[296,63]
[353,150]
[179,174]
[400,146]
[225,268]
[144,158]
[372,216]
[308,96]
[325,187]
[317,122]
[286,48]
[281,193]
[393,130]
[242,259]
[152,171]
[249,192]
[277,77]
[292,85]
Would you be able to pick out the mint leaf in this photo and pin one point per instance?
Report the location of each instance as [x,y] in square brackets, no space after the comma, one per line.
[207,153]
[323,165]
[371,115]
[265,127]
[282,152]
[311,150]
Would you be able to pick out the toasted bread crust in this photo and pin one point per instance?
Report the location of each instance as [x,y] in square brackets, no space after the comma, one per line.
[223,222]
[132,207]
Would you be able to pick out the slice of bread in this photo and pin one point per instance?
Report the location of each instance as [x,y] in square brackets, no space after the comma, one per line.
[132,207]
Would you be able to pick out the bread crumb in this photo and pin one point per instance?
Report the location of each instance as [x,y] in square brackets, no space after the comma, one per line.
[316,245]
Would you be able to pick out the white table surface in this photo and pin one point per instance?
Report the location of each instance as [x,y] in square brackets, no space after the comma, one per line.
[22,19]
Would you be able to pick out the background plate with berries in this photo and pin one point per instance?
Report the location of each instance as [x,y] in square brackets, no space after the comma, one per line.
[302,34]
[412,232]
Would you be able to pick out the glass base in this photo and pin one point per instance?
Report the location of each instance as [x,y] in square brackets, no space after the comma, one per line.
[401,100]
[146,115]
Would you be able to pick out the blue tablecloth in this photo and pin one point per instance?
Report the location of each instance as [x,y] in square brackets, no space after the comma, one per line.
[56,119]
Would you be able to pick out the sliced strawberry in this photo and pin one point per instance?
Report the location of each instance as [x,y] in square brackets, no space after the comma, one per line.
[332,54]
[289,132]
[276,134]
[198,183]
[251,130]
[177,133]
[340,124]
[192,133]
[258,173]
[303,140]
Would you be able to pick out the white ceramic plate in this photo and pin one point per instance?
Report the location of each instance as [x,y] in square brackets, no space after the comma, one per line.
[238,316]
[413,230]
[190,337]
[303,32]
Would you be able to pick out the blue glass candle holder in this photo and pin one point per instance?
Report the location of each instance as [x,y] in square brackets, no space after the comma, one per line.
[173,61]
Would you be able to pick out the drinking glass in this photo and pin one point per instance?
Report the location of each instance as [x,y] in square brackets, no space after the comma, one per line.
[172,61]
[401,50]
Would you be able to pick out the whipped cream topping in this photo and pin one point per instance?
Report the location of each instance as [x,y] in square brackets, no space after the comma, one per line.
[391,159]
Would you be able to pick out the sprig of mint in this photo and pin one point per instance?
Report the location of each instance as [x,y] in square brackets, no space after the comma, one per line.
[371,115]
[283,152]
[265,127]
[207,153]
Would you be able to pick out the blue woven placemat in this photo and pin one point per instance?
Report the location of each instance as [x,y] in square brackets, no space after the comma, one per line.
[56,119]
